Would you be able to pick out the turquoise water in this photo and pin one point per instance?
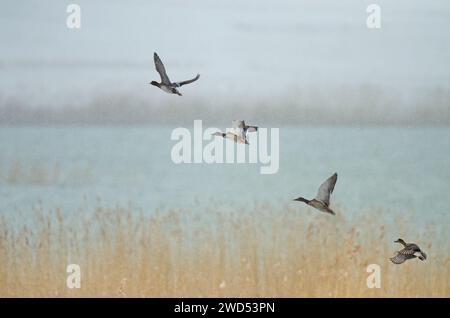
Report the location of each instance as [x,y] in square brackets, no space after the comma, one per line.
[399,170]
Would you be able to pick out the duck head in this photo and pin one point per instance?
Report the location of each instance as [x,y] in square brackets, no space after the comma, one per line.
[399,241]
[302,200]
[154,83]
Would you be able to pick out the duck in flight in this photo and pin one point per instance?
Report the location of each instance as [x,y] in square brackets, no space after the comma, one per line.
[239,132]
[322,199]
[409,251]
[166,85]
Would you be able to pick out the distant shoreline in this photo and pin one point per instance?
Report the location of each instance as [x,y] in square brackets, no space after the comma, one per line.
[367,106]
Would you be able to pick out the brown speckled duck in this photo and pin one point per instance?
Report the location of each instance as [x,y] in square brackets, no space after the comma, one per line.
[408,252]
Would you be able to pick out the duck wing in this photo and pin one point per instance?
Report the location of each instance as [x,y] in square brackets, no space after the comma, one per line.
[238,124]
[178,84]
[242,129]
[326,189]
[251,128]
[239,128]
[161,69]
[400,258]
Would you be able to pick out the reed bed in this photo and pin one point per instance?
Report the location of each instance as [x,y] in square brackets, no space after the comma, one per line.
[306,105]
[261,251]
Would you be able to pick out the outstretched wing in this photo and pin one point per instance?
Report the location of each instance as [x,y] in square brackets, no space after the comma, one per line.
[398,259]
[326,189]
[251,128]
[161,69]
[238,124]
[402,256]
[238,128]
[242,129]
[178,84]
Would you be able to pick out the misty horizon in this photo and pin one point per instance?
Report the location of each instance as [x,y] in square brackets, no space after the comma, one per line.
[297,63]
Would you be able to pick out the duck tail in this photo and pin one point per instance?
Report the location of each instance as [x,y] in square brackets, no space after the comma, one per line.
[422,256]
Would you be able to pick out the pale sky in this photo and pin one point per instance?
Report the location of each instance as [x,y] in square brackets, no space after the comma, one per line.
[245,49]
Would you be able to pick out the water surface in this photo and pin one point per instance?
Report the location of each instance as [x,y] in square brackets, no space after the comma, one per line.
[401,170]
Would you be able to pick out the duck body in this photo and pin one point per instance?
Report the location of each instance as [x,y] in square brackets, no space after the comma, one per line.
[231,136]
[170,89]
[319,205]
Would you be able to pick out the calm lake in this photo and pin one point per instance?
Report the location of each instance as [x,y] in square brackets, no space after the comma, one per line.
[399,170]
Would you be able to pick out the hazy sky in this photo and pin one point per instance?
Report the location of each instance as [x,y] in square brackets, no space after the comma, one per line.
[241,48]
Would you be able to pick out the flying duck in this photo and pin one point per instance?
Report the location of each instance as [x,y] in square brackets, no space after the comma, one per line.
[408,252]
[238,133]
[322,199]
[166,85]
